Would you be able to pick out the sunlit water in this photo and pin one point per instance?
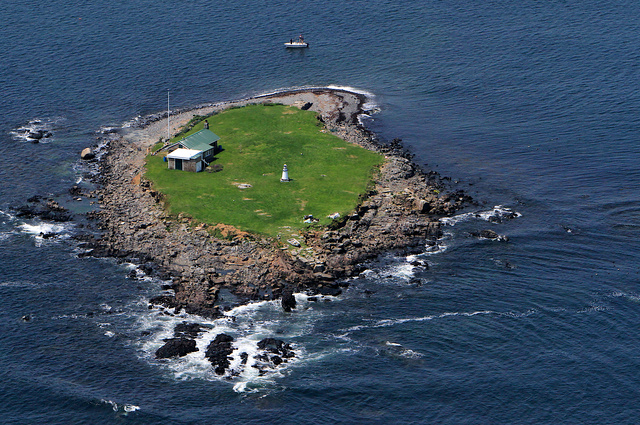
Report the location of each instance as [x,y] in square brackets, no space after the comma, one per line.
[530,107]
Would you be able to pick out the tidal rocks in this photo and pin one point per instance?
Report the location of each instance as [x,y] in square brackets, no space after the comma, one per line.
[288,300]
[218,353]
[277,347]
[207,311]
[176,347]
[329,290]
[45,208]
[489,234]
[188,330]
[34,136]
[75,190]
[275,352]
[167,301]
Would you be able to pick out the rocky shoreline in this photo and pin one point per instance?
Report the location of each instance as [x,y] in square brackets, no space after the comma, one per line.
[399,213]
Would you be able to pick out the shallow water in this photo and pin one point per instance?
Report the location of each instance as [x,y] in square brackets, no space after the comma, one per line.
[529,106]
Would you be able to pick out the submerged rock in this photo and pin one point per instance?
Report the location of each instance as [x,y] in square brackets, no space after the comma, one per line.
[489,234]
[45,208]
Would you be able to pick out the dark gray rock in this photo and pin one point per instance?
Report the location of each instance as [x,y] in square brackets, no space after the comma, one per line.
[276,346]
[188,330]
[489,234]
[176,347]
[288,300]
[218,353]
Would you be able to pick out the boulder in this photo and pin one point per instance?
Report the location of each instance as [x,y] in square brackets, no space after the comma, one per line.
[176,347]
[36,134]
[218,353]
[288,300]
[87,154]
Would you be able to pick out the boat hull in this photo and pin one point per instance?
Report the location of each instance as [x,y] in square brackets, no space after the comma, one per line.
[296,45]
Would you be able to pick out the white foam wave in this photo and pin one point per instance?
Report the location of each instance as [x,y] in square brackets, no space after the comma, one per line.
[8,215]
[392,322]
[247,324]
[594,308]
[43,126]
[37,229]
[42,231]
[497,214]
[369,105]
[125,408]
[402,351]
[18,284]
[403,271]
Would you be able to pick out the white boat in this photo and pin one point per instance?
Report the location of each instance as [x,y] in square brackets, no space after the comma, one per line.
[296,44]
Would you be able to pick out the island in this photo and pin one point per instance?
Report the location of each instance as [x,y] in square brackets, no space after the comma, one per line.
[213,266]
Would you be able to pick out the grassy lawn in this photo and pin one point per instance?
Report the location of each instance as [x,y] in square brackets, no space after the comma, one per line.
[327,173]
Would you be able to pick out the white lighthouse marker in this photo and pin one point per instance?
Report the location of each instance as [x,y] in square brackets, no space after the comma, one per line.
[285,174]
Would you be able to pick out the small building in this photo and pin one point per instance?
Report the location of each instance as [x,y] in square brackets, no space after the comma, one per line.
[186,159]
[194,152]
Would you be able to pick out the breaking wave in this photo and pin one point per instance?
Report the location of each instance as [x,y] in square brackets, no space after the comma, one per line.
[39,130]
[247,324]
[42,231]
[498,214]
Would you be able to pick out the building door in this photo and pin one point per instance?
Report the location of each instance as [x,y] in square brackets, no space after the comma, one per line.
[178,164]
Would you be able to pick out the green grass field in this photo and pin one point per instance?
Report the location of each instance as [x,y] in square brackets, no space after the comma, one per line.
[328,174]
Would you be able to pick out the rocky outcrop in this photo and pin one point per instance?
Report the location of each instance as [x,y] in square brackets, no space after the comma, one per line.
[44,208]
[288,300]
[188,330]
[218,353]
[176,347]
[275,352]
[276,346]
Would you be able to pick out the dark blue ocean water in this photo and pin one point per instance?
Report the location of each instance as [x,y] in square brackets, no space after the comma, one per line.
[530,105]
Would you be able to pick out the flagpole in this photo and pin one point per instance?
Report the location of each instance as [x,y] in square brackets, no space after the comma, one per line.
[168,115]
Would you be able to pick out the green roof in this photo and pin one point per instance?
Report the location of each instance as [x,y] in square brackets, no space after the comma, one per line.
[202,140]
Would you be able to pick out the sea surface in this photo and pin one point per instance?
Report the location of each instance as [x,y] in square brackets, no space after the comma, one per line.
[531,107]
